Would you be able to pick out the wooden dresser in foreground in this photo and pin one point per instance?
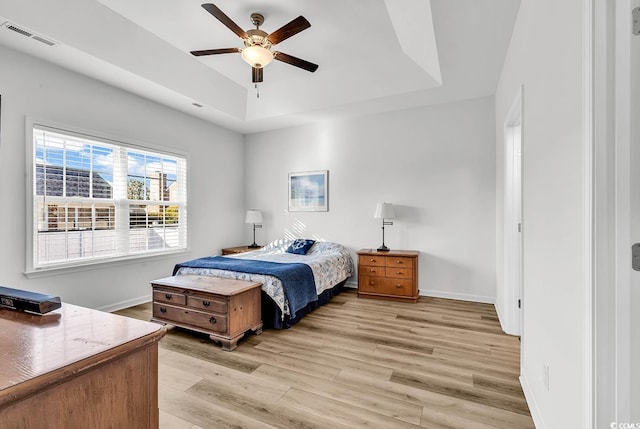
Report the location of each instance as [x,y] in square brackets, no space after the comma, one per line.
[223,308]
[388,275]
[78,368]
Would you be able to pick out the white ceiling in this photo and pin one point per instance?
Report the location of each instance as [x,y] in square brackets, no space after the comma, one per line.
[374,55]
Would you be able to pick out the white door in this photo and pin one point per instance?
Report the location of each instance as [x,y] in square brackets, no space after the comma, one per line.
[634,287]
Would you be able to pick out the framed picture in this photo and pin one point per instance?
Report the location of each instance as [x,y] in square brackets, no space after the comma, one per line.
[309,191]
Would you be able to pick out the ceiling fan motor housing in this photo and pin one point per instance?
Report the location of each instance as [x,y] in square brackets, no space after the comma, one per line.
[257,38]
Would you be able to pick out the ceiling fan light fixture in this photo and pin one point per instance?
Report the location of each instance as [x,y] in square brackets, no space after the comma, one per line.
[257,51]
[257,56]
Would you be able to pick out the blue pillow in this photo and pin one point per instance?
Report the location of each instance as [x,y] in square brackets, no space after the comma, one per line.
[300,246]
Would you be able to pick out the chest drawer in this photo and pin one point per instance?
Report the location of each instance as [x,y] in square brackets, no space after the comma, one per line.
[399,273]
[372,261]
[169,296]
[216,304]
[371,271]
[186,316]
[399,262]
[386,286]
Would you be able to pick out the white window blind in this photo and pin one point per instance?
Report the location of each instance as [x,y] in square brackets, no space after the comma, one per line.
[95,199]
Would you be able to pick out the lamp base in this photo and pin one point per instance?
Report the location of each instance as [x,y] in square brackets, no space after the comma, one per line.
[383,248]
[254,246]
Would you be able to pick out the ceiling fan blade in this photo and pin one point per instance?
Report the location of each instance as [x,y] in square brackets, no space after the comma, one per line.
[256,74]
[215,51]
[220,16]
[288,30]
[285,58]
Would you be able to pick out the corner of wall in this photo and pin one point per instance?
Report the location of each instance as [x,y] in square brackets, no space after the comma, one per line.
[536,415]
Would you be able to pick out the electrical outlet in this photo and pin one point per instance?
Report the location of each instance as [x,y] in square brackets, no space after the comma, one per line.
[545,375]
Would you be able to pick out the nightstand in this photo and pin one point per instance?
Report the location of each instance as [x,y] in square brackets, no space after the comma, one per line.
[388,275]
[239,249]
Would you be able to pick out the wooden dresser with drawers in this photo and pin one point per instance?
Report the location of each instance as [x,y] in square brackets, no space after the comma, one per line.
[388,275]
[75,367]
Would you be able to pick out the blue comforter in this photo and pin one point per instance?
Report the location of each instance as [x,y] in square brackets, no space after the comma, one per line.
[297,279]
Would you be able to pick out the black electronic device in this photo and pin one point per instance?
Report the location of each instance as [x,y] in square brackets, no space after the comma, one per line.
[31,302]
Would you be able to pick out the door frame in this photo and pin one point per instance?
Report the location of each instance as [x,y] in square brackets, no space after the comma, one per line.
[610,23]
[589,26]
[622,292]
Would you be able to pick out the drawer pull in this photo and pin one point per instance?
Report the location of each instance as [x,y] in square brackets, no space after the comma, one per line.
[372,283]
[372,260]
[163,309]
[398,272]
[398,286]
[213,320]
[371,270]
[398,262]
[168,296]
[206,303]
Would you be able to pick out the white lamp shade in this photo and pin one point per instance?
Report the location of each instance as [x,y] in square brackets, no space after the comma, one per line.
[384,211]
[257,56]
[253,216]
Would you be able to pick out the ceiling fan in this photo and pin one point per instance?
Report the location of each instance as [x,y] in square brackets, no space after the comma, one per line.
[257,43]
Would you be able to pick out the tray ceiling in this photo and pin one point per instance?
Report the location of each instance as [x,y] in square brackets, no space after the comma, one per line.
[374,55]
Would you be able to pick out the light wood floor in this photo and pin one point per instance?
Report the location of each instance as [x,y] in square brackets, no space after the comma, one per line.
[353,363]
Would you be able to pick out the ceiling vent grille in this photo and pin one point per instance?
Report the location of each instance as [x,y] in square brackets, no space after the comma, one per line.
[19,30]
[28,34]
[43,40]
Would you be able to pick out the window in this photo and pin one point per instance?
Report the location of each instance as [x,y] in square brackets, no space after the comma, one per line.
[95,199]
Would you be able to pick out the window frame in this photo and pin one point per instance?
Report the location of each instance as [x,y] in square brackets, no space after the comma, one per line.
[33,269]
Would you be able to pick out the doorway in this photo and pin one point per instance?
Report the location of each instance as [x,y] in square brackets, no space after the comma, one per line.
[512,301]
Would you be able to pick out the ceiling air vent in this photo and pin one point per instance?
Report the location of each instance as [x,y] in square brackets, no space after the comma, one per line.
[19,30]
[28,34]
[43,40]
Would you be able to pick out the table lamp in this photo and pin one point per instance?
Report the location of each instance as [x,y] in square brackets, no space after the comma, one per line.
[384,211]
[254,217]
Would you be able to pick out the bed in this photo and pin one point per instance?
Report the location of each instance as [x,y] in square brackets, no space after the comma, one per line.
[293,284]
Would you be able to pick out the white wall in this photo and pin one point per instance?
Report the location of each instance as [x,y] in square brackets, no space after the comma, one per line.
[435,164]
[42,91]
[545,55]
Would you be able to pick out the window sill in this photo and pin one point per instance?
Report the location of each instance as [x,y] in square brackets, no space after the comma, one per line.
[99,264]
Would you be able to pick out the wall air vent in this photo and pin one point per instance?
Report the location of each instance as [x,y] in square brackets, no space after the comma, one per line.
[28,34]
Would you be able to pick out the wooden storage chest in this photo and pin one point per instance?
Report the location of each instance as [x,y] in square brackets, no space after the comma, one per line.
[223,308]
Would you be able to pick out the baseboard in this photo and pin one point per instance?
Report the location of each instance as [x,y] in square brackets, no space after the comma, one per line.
[499,313]
[531,402]
[458,296]
[440,294]
[125,304]
[351,284]
[146,298]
